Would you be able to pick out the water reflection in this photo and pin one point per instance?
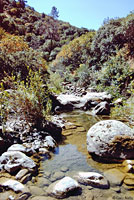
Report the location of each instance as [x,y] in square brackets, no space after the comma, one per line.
[67,156]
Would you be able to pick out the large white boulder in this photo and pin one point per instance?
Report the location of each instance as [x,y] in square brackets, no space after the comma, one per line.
[12,161]
[111,140]
[60,189]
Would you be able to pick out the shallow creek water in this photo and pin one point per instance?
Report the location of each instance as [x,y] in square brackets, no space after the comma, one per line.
[70,157]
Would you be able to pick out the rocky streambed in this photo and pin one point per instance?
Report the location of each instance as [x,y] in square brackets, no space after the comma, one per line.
[34,167]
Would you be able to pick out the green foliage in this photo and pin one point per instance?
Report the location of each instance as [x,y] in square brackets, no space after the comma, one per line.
[18,19]
[83,75]
[75,53]
[29,100]
[55,83]
[107,39]
[15,56]
[124,112]
[114,76]
[2,33]
[115,33]
[4,105]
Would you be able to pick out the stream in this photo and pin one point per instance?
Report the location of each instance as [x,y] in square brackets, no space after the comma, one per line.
[70,157]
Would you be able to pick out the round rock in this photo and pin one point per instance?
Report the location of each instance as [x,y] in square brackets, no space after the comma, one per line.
[60,189]
[111,140]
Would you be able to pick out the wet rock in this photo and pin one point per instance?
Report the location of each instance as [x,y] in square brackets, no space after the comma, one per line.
[47,174]
[54,130]
[41,198]
[64,169]
[129,179]
[44,151]
[21,174]
[128,166]
[116,189]
[13,185]
[102,108]
[67,132]
[57,176]
[24,196]
[128,187]
[61,188]
[36,191]
[26,178]
[93,179]
[110,140]
[128,162]
[13,161]
[115,177]
[80,129]
[41,182]
[7,195]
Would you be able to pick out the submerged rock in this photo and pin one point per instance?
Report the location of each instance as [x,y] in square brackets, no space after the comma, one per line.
[110,140]
[115,177]
[93,179]
[61,188]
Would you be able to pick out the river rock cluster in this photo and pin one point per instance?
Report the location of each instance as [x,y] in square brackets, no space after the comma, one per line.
[98,102]
[21,151]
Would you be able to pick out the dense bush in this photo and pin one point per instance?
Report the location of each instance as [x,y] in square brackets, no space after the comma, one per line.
[15,56]
[75,53]
[115,76]
[26,99]
[113,35]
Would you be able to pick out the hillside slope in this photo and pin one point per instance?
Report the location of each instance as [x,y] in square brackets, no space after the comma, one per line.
[40,31]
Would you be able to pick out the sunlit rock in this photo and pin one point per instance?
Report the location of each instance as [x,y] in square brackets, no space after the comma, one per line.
[13,161]
[61,188]
[93,179]
[110,140]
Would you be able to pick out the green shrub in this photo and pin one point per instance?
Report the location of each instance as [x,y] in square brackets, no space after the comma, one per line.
[2,33]
[55,83]
[75,53]
[83,75]
[15,56]
[114,76]
[29,100]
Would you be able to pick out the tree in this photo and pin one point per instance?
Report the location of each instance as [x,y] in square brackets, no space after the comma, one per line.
[23,3]
[54,12]
[52,32]
[1,6]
